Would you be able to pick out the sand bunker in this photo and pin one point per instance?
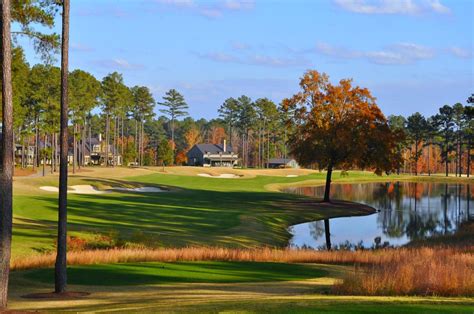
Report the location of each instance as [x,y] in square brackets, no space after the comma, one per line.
[144,189]
[76,189]
[222,176]
[292,176]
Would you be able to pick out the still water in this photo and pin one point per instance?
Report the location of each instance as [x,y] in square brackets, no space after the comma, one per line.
[407,211]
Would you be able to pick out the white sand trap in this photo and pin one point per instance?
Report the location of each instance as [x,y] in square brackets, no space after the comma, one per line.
[222,176]
[292,176]
[49,188]
[144,189]
[76,189]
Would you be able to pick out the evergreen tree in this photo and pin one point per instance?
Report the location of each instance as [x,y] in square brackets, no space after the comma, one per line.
[175,107]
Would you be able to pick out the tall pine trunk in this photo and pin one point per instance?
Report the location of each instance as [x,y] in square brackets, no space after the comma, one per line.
[35,148]
[52,153]
[74,148]
[61,258]
[446,161]
[114,141]
[107,131]
[6,175]
[468,172]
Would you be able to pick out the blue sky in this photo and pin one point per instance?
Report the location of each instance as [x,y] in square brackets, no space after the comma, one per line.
[414,55]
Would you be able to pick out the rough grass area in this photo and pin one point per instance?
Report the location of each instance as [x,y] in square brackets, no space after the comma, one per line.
[360,257]
[416,272]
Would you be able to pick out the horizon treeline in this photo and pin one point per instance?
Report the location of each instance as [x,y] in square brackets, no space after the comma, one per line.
[125,117]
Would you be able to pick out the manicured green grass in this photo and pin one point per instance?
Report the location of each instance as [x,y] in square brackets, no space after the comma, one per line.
[241,212]
[199,211]
[214,287]
[160,273]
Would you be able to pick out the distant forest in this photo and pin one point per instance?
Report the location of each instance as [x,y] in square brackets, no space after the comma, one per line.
[125,117]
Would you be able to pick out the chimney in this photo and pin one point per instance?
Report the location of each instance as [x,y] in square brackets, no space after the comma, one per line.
[225,146]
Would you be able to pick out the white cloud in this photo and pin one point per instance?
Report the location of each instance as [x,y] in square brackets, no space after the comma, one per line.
[335,51]
[210,9]
[118,64]
[239,4]
[265,60]
[410,7]
[460,52]
[219,57]
[401,53]
[256,59]
[437,7]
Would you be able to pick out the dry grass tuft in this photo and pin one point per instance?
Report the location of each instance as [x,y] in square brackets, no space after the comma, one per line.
[423,271]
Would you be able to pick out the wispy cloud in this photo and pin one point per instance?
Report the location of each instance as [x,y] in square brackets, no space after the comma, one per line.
[118,64]
[219,57]
[256,59]
[210,9]
[410,7]
[80,47]
[400,53]
[460,52]
[102,11]
[240,46]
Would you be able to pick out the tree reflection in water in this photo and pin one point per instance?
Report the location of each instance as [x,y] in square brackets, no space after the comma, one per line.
[407,210]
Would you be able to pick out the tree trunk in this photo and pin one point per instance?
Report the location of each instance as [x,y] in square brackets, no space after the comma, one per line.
[327,190]
[83,144]
[468,172]
[172,138]
[114,146]
[90,142]
[429,152]
[23,154]
[74,148]
[121,146]
[35,149]
[52,153]
[447,163]
[136,141]
[416,158]
[44,155]
[61,259]
[142,143]
[328,234]
[6,175]
[107,131]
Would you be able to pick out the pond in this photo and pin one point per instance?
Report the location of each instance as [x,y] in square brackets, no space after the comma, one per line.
[406,211]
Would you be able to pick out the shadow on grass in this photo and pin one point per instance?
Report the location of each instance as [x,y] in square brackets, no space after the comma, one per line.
[190,272]
[184,216]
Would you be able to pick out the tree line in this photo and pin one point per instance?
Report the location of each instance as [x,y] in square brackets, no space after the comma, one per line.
[444,139]
[126,119]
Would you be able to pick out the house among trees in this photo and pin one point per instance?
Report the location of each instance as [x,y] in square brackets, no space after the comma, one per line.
[212,155]
[282,163]
[94,152]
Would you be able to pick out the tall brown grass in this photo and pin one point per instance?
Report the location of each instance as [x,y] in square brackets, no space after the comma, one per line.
[423,271]
[446,271]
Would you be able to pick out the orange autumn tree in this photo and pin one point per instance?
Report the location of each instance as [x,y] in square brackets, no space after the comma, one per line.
[338,126]
[217,135]
[192,137]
